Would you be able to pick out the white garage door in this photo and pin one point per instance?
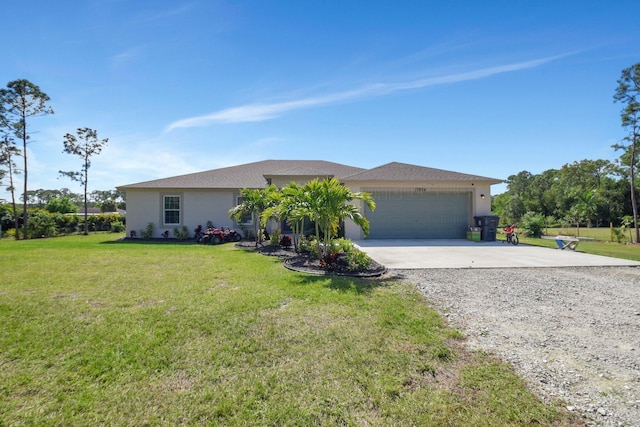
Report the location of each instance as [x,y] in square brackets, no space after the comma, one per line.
[419,215]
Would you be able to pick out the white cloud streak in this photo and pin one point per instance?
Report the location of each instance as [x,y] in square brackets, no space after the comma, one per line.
[262,112]
[125,58]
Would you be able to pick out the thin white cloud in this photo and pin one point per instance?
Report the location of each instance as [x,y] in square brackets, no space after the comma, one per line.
[168,13]
[262,112]
[128,56]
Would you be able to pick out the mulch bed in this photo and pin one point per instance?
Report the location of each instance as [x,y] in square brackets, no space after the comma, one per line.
[304,264]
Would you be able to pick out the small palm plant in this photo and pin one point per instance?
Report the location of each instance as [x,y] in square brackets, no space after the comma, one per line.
[328,203]
[254,202]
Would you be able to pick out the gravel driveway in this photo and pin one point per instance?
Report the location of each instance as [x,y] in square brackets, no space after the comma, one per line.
[573,333]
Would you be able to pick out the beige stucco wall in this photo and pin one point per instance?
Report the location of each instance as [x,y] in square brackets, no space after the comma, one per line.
[141,208]
[200,206]
[197,207]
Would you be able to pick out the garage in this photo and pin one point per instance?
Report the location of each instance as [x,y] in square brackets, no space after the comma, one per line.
[418,214]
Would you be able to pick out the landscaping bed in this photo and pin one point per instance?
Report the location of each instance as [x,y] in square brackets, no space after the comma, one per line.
[306,264]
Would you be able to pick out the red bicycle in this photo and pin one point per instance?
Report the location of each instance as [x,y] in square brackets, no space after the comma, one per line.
[512,237]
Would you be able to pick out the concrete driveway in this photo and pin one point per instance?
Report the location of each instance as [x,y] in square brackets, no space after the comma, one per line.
[410,254]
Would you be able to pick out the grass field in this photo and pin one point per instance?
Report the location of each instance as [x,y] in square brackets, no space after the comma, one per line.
[100,332]
[601,245]
[602,234]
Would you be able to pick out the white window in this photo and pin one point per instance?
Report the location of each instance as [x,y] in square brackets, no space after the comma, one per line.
[246,219]
[171,210]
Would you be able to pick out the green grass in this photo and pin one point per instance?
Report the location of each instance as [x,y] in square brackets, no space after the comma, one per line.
[600,233]
[601,245]
[100,332]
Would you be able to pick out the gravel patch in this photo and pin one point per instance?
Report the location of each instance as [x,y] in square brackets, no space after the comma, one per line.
[572,333]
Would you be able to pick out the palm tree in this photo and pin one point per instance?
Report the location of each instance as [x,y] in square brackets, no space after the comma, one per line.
[328,203]
[254,202]
[288,205]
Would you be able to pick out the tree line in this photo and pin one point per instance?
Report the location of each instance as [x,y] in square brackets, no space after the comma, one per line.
[55,212]
[585,192]
[20,102]
[106,200]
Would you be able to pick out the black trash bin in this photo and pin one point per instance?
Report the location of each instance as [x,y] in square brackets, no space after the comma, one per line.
[489,225]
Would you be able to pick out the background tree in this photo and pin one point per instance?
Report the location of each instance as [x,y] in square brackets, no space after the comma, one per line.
[576,179]
[62,205]
[513,209]
[41,197]
[99,197]
[108,206]
[560,193]
[18,102]
[616,202]
[627,94]
[85,145]
[541,194]
[7,152]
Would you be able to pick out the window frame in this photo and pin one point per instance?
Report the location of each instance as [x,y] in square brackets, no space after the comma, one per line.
[166,210]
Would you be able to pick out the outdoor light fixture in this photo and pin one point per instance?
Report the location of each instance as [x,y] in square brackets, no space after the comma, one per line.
[482,196]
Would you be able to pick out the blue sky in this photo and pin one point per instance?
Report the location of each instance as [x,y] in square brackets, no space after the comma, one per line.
[486,88]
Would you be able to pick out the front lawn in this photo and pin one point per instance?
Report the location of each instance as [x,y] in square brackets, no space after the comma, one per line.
[101,332]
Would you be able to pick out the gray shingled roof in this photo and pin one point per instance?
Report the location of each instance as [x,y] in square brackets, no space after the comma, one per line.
[395,171]
[298,171]
[250,175]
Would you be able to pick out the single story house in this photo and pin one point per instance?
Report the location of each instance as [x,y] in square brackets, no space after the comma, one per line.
[98,211]
[412,201]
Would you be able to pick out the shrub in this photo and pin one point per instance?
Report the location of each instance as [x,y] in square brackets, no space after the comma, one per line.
[532,224]
[329,261]
[619,234]
[148,232]
[342,245]
[102,222]
[309,246]
[274,239]
[344,252]
[117,227]
[285,241]
[42,224]
[181,233]
[65,224]
[357,260]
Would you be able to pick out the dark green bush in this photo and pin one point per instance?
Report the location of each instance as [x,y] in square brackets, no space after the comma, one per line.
[357,260]
[181,233]
[148,232]
[62,205]
[117,227]
[42,224]
[532,224]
